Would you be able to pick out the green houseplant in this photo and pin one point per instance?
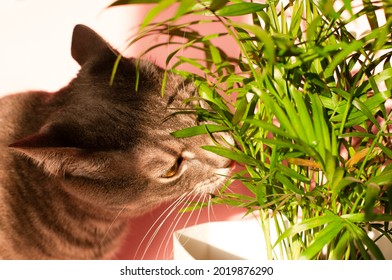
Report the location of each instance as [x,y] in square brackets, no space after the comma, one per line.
[310,116]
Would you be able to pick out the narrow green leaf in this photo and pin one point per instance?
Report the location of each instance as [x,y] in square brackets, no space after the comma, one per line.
[126,2]
[282,143]
[304,117]
[215,54]
[210,95]
[291,173]
[114,70]
[320,126]
[346,50]
[384,75]
[284,120]
[288,184]
[385,178]
[330,167]
[365,110]
[243,37]
[233,155]
[184,7]
[295,120]
[307,225]
[312,29]
[322,238]
[338,185]
[262,35]
[240,110]
[361,218]
[164,81]
[372,193]
[240,9]
[336,182]
[385,150]
[217,4]
[268,127]
[362,239]
[155,11]
[341,248]
[347,5]
[357,134]
[296,19]
[370,14]
[198,130]
[250,112]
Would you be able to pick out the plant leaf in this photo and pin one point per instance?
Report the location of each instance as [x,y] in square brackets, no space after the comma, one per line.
[343,245]
[198,130]
[304,162]
[233,155]
[241,9]
[385,178]
[217,4]
[126,2]
[361,218]
[240,110]
[357,157]
[362,239]
[269,127]
[372,193]
[155,11]
[308,224]
[322,238]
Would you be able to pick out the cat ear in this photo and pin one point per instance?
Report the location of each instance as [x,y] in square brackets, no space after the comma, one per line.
[87,45]
[45,150]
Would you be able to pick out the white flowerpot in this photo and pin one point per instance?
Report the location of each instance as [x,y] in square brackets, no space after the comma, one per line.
[235,240]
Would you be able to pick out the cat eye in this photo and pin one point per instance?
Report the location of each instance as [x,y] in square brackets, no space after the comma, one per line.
[174,169]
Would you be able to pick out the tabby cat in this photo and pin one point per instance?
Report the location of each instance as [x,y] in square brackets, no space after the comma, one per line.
[77,163]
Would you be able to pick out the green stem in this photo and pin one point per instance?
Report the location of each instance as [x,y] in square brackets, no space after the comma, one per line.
[265,225]
[378,136]
[346,112]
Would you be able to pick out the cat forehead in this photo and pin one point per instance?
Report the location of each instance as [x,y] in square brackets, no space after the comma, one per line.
[107,73]
[165,146]
[131,84]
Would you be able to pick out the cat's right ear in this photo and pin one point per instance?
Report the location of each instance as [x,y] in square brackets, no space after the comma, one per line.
[87,46]
[57,156]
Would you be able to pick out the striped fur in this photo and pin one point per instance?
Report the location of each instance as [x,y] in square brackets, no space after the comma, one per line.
[77,163]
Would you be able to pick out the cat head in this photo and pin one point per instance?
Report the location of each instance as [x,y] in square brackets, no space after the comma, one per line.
[110,144]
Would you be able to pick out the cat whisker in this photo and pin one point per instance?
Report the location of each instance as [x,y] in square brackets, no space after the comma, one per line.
[200,198]
[200,201]
[177,219]
[197,196]
[169,210]
[111,225]
[171,228]
[186,205]
[210,209]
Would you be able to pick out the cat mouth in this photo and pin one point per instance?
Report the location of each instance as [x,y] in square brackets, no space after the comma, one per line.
[231,165]
[228,168]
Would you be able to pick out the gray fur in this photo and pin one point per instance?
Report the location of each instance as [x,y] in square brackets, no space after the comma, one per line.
[77,163]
